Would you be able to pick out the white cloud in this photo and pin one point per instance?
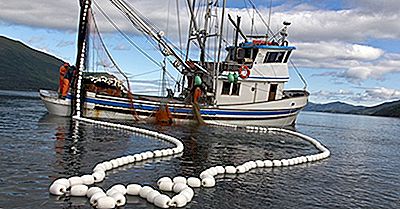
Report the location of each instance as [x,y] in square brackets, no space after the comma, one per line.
[63,43]
[370,96]
[325,38]
[325,52]
[122,47]
[383,93]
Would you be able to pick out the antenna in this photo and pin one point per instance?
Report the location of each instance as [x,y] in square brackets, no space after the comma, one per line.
[270,11]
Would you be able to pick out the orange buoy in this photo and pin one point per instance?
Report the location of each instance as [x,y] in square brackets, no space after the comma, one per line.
[163,115]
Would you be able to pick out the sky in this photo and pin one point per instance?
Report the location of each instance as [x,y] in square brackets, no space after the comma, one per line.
[347,51]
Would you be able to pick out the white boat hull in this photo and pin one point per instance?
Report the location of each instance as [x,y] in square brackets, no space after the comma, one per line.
[276,113]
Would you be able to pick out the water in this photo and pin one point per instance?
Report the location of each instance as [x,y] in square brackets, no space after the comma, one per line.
[362,172]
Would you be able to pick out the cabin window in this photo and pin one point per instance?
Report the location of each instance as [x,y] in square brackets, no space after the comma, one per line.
[287,56]
[255,52]
[274,57]
[235,89]
[230,57]
[230,88]
[240,53]
[272,92]
[226,87]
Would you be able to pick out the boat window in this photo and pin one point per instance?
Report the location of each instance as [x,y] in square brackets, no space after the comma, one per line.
[287,56]
[229,57]
[240,55]
[255,52]
[226,88]
[235,89]
[272,57]
[272,92]
[247,53]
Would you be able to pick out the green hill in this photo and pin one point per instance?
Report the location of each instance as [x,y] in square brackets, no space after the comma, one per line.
[387,109]
[24,68]
[391,109]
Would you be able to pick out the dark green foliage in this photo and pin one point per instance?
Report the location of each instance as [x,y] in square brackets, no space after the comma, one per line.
[23,68]
[389,109]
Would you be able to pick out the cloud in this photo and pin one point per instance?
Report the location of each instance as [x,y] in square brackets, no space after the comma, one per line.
[42,13]
[383,93]
[330,39]
[63,44]
[36,39]
[352,62]
[372,95]
[122,47]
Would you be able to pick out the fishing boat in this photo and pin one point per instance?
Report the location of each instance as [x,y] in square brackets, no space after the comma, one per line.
[245,88]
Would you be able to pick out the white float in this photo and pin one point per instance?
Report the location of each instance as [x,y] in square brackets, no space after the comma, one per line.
[96,196]
[133,189]
[230,169]
[93,190]
[178,201]
[57,189]
[208,182]
[162,201]
[105,203]
[62,181]
[194,182]
[179,179]
[152,195]
[120,188]
[178,187]
[119,198]
[166,186]
[165,178]
[75,180]
[79,190]
[87,179]
[145,191]
[98,176]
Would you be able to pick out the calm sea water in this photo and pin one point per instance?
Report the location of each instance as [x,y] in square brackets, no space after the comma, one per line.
[362,172]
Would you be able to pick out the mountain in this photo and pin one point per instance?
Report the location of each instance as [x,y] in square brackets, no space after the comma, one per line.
[388,109]
[334,107]
[391,109]
[24,68]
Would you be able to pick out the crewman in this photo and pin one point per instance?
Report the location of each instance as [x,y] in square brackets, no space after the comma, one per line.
[63,71]
[197,89]
[67,80]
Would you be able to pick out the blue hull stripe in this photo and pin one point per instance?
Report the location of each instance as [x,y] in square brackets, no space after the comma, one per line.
[189,111]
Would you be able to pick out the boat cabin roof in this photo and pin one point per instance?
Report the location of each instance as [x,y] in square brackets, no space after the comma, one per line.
[258,44]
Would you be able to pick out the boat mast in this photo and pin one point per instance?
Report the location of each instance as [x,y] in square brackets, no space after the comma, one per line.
[217,67]
[204,32]
[80,63]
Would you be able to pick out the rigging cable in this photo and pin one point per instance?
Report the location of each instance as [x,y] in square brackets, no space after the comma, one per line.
[299,74]
[130,97]
[126,36]
[179,26]
[261,17]
[251,17]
